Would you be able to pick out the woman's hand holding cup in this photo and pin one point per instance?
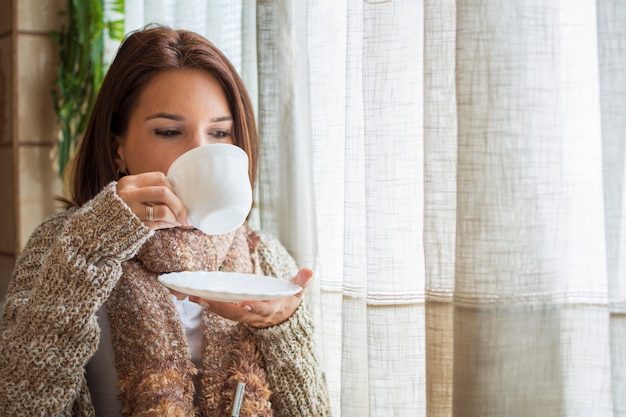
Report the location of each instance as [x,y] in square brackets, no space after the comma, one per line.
[151,197]
[206,187]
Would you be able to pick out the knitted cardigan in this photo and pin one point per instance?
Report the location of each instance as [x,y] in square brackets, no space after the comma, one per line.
[67,271]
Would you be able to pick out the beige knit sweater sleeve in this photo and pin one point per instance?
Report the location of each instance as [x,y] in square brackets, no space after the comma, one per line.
[49,329]
[295,378]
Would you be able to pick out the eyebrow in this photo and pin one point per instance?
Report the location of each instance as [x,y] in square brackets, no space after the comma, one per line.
[178,118]
[222,119]
[165,116]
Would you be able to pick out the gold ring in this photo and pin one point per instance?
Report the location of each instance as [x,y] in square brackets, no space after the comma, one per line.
[149,213]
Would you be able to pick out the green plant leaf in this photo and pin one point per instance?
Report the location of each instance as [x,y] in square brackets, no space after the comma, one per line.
[118,6]
[80,69]
[116,29]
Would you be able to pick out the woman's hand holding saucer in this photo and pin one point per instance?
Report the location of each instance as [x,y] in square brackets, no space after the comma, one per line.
[260,314]
[151,197]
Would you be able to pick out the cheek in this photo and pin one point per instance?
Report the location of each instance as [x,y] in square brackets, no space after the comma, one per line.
[147,159]
[154,162]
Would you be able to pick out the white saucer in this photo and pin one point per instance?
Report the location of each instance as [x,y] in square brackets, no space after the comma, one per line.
[229,286]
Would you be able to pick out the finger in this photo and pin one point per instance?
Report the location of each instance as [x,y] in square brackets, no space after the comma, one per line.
[164,196]
[162,217]
[231,311]
[251,313]
[262,308]
[146,179]
[302,278]
[231,308]
[155,216]
[243,309]
[152,189]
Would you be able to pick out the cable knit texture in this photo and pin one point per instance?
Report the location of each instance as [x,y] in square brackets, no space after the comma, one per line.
[68,270]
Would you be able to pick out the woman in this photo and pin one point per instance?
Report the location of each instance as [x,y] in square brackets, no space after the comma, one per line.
[87,328]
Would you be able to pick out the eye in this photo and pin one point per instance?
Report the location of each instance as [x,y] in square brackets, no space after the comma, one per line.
[166,133]
[220,134]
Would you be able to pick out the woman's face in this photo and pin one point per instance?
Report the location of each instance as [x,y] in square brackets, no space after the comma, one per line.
[178,110]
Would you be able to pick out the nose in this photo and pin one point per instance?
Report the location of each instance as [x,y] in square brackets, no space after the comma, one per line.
[198,139]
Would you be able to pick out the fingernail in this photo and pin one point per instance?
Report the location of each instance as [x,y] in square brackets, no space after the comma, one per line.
[247,308]
[196,299]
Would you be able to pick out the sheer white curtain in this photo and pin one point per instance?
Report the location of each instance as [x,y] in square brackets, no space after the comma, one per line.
[454,172]
[470,209]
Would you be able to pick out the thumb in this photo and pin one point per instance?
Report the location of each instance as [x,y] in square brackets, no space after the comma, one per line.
[303,277]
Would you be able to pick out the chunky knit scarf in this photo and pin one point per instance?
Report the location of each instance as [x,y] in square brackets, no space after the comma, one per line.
[155,373]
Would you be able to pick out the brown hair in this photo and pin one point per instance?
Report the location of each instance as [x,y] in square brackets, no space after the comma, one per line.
[141,55]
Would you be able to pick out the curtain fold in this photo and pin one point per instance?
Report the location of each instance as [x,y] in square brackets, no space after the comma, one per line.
[531,288]
[285,179]
[368,159]
[611,22]
[440,189]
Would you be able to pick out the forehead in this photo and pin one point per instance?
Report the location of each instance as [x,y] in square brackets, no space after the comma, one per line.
[182,89]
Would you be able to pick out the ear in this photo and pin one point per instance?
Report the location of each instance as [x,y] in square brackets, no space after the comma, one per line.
[120,152]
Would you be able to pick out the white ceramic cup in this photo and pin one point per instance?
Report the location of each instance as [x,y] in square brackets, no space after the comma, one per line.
[212,182]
